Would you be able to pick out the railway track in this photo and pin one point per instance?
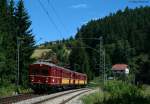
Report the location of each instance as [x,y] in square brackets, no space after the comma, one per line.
[41,99]
[63,98]
[69,99]
[17,98]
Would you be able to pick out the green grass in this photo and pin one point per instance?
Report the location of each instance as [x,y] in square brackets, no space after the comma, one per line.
[118,92]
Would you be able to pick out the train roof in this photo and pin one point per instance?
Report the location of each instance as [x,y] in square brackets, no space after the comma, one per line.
[53,65]
[45,63]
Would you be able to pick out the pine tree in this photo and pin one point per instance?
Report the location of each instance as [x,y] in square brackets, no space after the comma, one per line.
[25,39]
[3,7]
[6,37]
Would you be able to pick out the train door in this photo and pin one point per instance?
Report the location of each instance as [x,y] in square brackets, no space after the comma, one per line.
[69,78]
[61,75]
[74,78]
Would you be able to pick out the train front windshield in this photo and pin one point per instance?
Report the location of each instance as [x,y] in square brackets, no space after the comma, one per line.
[41,71]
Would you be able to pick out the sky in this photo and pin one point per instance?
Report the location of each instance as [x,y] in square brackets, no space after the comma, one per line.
[57,19]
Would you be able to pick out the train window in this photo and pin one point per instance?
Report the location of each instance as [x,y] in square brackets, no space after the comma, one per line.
[34,71]
[73,75]
[54,72]
[57,71]
[65,74]
[44,72]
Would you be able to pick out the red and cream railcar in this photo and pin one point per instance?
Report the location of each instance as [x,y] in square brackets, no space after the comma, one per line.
[43,75]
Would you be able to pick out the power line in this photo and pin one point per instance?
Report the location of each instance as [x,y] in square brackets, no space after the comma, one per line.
[86,47]
[101,55]
[57,15]
[49,17]
[39,40]
[81,39]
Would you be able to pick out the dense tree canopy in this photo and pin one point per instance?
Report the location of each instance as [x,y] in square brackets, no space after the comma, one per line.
[14,26]
[126,36]
[126,39]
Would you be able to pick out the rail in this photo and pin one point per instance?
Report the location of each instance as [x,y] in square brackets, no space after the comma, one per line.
[63,94]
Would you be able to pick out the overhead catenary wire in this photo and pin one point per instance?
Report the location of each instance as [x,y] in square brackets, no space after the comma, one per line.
[49,17]
[58,16]
[101,53]
[81,39]
[86,47]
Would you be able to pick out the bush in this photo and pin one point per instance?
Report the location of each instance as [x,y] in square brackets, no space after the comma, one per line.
[117,88]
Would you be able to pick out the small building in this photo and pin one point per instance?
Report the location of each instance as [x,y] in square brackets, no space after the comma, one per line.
[120,69]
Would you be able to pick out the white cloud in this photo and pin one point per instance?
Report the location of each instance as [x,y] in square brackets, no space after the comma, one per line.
[79,6]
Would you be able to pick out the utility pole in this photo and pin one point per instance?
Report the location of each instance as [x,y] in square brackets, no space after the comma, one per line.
[102,58]
[18,54]
[104,67]
[18,61]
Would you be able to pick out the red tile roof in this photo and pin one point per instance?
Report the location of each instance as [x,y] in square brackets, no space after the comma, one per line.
[119,67]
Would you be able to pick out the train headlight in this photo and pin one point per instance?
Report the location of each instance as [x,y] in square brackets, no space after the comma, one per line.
[32,79]
[46,80]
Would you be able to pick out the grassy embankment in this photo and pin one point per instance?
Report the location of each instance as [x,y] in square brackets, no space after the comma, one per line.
[7,89]
[118,92]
